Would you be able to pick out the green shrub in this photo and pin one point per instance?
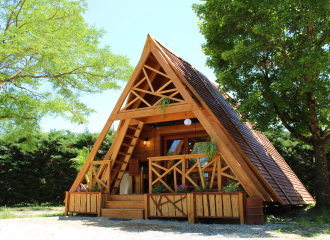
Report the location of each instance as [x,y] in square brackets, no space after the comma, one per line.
[159,188]
[231,187]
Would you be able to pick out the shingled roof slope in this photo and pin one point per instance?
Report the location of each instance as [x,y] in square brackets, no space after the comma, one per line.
[264,157]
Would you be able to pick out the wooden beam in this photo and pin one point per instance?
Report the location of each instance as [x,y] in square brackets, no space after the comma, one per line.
[150,85]
[156,71]
[170,117]
[154,111]
[146,85]
[132,79]
[132,91]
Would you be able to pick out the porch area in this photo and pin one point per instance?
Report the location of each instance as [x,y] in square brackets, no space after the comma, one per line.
[203,182]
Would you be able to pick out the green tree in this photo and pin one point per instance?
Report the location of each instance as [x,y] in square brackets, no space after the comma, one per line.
[298,155]
[49,58]
[46,173]
[273,56]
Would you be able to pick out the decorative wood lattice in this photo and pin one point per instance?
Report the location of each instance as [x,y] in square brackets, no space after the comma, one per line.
[178,164]
[168,205]
[145,86]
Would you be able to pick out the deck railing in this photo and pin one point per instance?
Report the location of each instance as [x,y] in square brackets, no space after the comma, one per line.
[196,205]
[178,164]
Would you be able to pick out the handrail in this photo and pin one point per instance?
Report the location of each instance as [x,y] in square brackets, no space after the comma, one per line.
[162,158]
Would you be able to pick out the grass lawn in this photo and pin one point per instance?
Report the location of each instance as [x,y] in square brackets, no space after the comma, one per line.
[31,211]
[309,222]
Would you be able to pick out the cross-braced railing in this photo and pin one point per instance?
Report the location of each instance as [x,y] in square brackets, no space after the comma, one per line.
[193,169]
[101,176]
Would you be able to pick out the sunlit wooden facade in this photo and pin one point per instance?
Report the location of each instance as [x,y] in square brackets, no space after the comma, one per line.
[167,151]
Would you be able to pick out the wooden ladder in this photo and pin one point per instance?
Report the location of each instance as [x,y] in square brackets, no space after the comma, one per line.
[122,151]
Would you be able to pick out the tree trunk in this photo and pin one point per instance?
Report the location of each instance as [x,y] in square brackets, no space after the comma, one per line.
[322,186]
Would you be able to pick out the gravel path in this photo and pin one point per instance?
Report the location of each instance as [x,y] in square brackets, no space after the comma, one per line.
[103,228]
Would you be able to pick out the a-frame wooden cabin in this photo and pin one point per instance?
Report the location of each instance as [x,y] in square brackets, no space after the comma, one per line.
[162,149]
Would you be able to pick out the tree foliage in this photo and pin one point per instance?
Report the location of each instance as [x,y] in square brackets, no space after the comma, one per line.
[273,56]
[299,156]
[45,174]
[49,58]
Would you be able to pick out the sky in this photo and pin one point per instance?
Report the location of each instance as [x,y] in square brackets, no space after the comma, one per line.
[127,24]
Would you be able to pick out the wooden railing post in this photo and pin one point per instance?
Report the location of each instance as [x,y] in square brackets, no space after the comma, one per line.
[183,171]
[241,207]
[150,176]
[146,206]
[219,171]
[67,203]
[90,176]
[99,204]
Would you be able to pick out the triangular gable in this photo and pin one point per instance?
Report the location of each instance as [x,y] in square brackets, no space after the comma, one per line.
[276,175]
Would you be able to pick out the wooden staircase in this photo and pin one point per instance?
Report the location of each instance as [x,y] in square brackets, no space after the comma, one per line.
[124,206]
[121,154]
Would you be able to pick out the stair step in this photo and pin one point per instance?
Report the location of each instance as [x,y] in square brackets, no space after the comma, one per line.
[123,213]
[122,153]
[135,128]
[117,170]
[126,197]
[130,136]
[124,204]
[127,145]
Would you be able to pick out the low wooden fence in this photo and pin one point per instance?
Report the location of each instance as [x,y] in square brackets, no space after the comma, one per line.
[83,202]
[195,205]
[173,205]
[219,205]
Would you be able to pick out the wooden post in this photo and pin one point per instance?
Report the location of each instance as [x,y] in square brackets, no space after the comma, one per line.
[183,171]
[150,177]
[241,207]
[109,177]
[219,172]
[190,208]
[91,176]
[99,204]
[67,202]
[146,206]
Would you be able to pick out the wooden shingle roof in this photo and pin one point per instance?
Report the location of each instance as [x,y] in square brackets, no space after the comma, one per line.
[264,160]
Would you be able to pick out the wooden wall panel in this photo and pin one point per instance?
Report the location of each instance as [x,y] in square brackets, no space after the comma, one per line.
[152,149]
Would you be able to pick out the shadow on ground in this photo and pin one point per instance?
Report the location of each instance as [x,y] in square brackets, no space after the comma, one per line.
[181,227]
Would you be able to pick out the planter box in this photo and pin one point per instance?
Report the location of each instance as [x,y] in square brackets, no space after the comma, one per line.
[83,202]
[196,205]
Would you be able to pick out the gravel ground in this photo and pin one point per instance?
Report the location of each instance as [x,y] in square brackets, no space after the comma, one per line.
[103,228]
